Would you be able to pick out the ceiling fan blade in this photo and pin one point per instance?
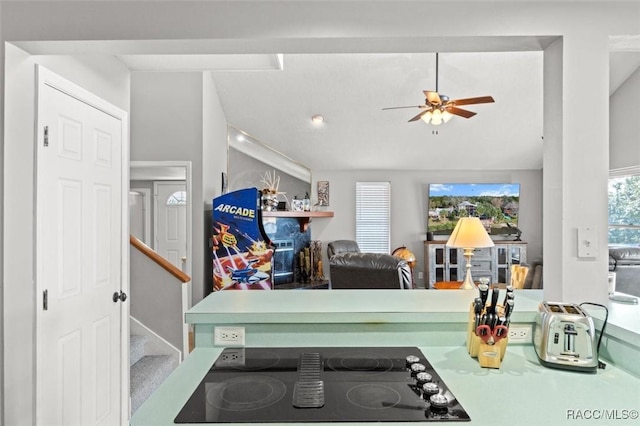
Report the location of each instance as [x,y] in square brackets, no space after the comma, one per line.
[432,97]
[469,101]
[400,107]
[461,112]
[419,116]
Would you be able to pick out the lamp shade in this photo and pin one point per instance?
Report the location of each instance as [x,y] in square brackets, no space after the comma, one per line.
[469,233]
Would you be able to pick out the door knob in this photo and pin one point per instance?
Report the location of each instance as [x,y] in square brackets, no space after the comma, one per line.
[119,296]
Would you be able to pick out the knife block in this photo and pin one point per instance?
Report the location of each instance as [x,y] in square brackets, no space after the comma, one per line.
[489,356]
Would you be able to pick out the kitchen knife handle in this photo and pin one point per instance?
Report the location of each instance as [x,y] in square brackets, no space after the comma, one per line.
[508,309]
[495,293]
[477,305]
[508,296]
[491,318]
[484,293]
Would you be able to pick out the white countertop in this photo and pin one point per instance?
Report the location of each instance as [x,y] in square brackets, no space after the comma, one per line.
[342,305]
[382,306]
[520,392]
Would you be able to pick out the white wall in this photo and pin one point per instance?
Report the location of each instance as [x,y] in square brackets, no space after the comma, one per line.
[585,169]
[246,172]
[174,118]
[214,141]
[553,160]
[409,205]
[105,77]
[214,157]
[1,217]
[624,122]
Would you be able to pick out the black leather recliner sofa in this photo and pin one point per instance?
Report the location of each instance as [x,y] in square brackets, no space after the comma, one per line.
[351,269]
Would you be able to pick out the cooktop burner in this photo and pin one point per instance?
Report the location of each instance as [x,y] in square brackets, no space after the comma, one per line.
[322,384]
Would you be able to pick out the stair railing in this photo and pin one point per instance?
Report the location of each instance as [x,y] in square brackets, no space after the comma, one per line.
[161,261]
[155,299]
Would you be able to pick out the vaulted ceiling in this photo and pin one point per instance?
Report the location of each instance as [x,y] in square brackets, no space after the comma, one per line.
[350,90]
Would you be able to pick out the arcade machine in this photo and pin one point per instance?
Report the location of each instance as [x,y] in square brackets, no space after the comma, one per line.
[242,251]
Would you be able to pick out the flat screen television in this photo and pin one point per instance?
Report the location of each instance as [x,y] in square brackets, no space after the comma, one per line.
[496,204]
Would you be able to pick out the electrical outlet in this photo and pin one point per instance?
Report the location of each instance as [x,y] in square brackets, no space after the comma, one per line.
[520,333]
[420,275]
[228,336]
[231,357]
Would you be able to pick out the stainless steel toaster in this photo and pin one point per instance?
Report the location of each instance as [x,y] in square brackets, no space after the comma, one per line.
[564,337]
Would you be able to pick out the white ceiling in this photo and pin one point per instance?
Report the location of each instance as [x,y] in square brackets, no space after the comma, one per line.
[350,90]
[272,98]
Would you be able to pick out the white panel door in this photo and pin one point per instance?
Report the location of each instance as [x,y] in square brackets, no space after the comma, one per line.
[171,222]
[79,258]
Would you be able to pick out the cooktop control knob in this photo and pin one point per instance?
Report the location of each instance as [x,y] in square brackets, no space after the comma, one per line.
[439,402]
[412,359]
[417,368]
[422,378]
[430,389]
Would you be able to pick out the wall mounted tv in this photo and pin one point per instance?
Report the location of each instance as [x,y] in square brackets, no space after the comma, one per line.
[496,204]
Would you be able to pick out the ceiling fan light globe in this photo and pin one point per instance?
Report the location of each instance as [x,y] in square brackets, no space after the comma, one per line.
[446,116]
[436,117]
[426,117]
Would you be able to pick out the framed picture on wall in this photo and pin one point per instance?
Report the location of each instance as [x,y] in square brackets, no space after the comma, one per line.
[323,193]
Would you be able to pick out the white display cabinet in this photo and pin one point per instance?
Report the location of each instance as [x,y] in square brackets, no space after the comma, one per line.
[444,263]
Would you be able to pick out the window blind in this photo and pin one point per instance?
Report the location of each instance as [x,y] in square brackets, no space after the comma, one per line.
[373,216]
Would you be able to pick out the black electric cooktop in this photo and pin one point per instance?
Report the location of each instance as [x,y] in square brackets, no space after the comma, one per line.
[323,384]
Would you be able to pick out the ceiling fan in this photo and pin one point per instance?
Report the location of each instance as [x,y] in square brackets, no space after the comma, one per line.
[438,108]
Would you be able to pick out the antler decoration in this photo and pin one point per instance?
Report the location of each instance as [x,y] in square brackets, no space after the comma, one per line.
[271,182]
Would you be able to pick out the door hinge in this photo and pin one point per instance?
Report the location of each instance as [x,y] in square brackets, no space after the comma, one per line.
[45,300]
[46,136]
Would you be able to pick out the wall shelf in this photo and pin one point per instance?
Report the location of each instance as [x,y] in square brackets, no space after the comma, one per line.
[304,218]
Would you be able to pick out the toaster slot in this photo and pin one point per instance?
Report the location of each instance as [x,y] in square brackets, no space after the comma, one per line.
[554,308]
[572,310]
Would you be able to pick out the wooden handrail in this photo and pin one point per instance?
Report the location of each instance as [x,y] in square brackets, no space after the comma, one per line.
[164,263]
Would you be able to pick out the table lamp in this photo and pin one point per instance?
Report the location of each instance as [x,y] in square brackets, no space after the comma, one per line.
[469,234]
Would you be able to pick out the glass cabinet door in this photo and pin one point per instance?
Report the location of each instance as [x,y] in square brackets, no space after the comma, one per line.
[454,267]
[438,264]
[516,255]
[502,255]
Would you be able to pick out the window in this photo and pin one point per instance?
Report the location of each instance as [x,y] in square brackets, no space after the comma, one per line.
[178,198]
[624,208]
[373,216]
